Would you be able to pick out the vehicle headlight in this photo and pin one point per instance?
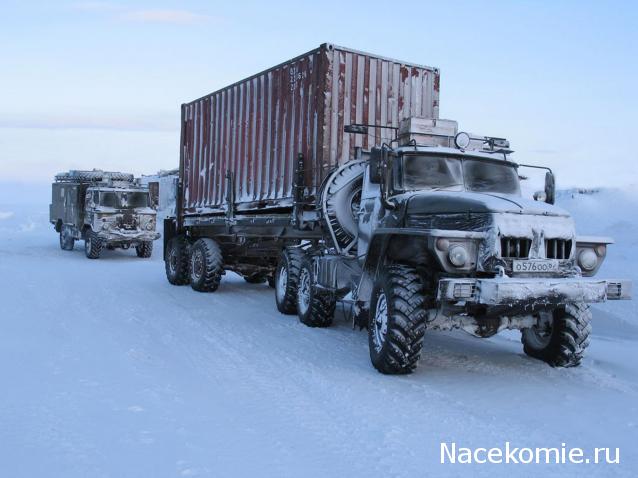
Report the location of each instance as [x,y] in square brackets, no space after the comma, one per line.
[587,259]
[150,226]
[458,255]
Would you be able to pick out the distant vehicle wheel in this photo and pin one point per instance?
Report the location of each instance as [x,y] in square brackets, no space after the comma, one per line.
[315,307]
[271,281]
[92,245]
[206,265]
[287,278]
[145,249]
[396,323]
[177,261]
[255,279]
[67,242]
[562,336]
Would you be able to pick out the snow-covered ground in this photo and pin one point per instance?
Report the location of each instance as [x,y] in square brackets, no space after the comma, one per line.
[108,371]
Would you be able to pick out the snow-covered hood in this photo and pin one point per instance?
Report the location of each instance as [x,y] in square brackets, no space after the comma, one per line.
[446,202]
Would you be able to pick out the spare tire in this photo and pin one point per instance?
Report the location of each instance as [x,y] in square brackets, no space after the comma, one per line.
[341,197]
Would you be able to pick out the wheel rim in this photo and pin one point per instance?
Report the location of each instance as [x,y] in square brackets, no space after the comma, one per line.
[198,264]
[282,283]
[303,297]
[380,323]
[539,336]
[172,261]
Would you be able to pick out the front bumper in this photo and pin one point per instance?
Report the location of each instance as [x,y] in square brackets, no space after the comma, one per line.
[119,235]
[506,291]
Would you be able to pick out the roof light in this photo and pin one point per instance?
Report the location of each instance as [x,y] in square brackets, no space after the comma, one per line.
[462,140]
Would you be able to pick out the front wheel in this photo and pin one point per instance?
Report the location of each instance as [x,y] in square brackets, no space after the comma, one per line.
[92,245]
[560,337]
[315,307]
[396,323]
[145,249]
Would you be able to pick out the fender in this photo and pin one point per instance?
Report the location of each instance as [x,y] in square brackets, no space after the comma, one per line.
[374,262]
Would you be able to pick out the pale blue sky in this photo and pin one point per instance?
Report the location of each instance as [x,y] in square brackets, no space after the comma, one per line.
[99,84]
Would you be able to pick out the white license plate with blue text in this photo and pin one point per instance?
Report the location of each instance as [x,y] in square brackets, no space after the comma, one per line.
[535,265]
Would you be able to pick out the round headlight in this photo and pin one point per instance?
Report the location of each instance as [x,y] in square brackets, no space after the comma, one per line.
[587,259]
[458,255]
[462,140]
[149,225]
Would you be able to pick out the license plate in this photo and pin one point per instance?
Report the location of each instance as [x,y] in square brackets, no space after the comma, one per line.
[535,265]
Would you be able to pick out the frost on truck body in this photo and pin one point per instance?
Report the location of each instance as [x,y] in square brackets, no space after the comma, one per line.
[105,209]
[408,222]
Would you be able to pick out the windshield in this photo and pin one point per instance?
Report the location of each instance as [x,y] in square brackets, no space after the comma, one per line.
[442,172]
[123,199]
[488,176]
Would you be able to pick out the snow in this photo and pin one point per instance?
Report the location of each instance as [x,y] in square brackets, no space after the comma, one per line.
[109,371]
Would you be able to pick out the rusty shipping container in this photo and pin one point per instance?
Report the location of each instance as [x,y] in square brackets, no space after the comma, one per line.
[256,127]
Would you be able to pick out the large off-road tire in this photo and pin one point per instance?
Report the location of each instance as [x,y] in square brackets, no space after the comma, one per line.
[564,338]
[396,323]
[144,249]
[315,307]
[67,241]
[206,265]
[177,261]
[287,279]
[92,245]
[255,278]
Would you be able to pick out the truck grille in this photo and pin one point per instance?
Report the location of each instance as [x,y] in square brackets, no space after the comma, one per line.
[558,248]
[515,247]
[127,222]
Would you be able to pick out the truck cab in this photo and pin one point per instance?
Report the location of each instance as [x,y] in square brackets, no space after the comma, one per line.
[444,239]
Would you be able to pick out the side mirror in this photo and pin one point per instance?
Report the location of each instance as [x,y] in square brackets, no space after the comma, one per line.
[550,188]
[376,161]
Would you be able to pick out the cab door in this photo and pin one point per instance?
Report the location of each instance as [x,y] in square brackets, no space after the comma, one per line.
[369,211]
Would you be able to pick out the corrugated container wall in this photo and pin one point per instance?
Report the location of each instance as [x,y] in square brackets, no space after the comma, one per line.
[256,128]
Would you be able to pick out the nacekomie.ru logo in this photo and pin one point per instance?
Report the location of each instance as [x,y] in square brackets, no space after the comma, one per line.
[454,454]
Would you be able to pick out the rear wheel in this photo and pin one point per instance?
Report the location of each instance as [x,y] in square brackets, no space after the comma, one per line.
[67,241]
[287,278]
[92,245]
[561,336]
[396,323]
[206,265]
[177,261]
[144,249]
[315,307]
